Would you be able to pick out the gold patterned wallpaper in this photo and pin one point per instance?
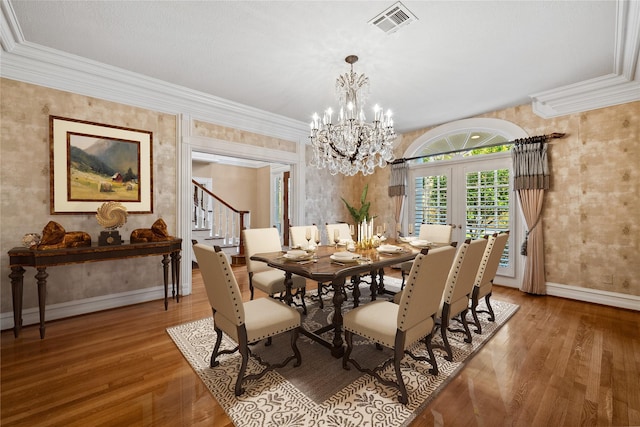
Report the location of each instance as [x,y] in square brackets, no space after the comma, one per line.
[24,180]
[590,217]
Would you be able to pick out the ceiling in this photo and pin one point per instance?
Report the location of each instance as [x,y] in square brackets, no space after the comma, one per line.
[456,60]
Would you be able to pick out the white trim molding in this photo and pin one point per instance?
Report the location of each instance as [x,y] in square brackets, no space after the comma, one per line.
[31,316]
[619,87]
[614,299]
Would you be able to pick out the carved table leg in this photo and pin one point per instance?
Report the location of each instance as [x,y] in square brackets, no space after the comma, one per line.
[381,289]
[338,298]
[288,284]
[374,286]
[41,277]
[356,290]
[165,269]
[175,270]
[17,274]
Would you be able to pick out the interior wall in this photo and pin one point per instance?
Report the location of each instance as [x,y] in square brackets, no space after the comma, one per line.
[25,205]
[590,214]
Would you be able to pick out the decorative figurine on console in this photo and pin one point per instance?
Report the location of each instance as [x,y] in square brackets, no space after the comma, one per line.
[157,233]
[54,236]
[111,215]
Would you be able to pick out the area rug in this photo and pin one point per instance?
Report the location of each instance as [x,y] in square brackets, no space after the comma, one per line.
[320,392]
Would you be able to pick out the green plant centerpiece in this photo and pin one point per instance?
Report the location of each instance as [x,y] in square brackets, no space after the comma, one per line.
[362,219]
[361,214]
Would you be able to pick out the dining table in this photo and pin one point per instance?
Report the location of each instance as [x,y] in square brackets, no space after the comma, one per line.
[324,266]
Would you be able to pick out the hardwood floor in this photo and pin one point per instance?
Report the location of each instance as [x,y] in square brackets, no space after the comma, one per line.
[557,362]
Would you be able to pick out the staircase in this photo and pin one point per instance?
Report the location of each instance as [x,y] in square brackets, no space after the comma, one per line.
[216,223]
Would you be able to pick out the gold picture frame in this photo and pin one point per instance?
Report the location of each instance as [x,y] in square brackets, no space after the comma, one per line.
[92,163]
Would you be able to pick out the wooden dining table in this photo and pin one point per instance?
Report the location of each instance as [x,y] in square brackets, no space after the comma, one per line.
[323,268]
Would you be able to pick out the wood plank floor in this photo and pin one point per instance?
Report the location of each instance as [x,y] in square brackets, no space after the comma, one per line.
[557,362]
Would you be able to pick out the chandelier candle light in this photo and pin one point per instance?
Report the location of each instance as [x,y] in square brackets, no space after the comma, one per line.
[350,144]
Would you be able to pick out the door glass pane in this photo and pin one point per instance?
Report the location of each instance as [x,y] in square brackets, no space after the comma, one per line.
[278,203]
[430,201]
[487,210]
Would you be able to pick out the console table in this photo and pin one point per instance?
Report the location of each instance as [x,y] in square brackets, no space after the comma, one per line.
[41,259]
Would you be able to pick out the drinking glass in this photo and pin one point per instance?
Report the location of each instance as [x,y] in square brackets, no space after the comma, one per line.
[336,237]
[307,235]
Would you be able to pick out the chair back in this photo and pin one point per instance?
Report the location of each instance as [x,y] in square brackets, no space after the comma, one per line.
[343,230]
[491,258]
[463,271]
[298,235]
[258,240]
[436,233]
[220,283]
[423,291]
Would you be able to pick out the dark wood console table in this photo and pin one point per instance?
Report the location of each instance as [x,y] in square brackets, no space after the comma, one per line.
[41,259]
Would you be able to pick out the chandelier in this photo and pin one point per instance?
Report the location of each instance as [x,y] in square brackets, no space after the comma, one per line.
[346,143]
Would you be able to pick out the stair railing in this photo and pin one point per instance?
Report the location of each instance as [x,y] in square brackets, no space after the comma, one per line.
[222,220]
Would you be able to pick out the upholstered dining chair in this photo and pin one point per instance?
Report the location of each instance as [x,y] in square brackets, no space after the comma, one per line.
[267,279]
[486,274]
[457,292]
[399,326]
[298,235]
[247,322]
[439,234]
[343,231]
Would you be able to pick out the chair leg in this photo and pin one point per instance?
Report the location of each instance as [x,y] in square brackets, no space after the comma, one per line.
[404,274]
[251,285]
[463,317]
[216,347]
[244,352]
[474,312]
[304,305]
[444,326]
[432,357]
[397,358]
[348,338]
[492,316]
[294,346]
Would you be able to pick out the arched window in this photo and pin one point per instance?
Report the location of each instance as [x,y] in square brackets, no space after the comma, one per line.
[461,175]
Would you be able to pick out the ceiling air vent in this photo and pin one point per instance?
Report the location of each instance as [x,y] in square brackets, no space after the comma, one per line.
[393,18]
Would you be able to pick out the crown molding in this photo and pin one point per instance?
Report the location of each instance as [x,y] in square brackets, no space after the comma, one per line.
[620,87]
[39,65]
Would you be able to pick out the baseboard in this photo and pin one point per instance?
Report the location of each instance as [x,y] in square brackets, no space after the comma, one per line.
[31,316]
[614,299]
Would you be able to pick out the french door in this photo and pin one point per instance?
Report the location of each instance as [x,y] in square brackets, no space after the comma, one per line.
[472,195]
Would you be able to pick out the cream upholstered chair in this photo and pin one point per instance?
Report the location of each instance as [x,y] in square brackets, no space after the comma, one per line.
[247,322]
[484,278]
[439,234]
[267,279]
[343,231]
[457,292]
[399,326]
[298,235]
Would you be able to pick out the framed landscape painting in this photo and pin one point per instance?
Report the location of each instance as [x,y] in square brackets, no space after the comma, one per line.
[93,163]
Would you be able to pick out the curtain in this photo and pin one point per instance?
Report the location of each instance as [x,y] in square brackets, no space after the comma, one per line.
[398,187]
[531,179]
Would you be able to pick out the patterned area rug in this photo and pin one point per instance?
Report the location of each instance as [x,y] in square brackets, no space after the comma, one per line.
[320,392]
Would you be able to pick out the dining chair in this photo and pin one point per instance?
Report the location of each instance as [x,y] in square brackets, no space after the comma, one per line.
[267,279]
[298,235]
[400,326]
[454,304]
[486,274]
[247,322]
[343,230]
[439,234]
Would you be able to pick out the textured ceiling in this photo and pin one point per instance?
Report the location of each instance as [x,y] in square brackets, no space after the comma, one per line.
[459,59]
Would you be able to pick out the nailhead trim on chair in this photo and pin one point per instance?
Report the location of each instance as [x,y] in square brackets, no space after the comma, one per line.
[459,258]
[230,285]
[261,337]
[416,268]
[485,260]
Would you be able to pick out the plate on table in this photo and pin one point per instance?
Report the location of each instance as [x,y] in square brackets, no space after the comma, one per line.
[420,243]
[407,239]
[389,249]
[298,255]
[344,257]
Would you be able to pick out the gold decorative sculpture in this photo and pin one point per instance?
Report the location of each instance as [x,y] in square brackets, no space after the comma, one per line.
[111,215]
[54,236]
[157,233]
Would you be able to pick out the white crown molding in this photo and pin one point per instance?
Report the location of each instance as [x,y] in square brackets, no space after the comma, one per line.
[39,65]
[620,87]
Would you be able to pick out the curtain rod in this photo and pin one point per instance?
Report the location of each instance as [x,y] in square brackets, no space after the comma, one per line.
[529,140]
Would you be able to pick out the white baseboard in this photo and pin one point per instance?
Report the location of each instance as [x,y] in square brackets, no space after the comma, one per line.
[614,299]
[31,316]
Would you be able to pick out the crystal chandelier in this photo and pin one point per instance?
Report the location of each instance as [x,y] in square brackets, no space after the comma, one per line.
[350,144]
